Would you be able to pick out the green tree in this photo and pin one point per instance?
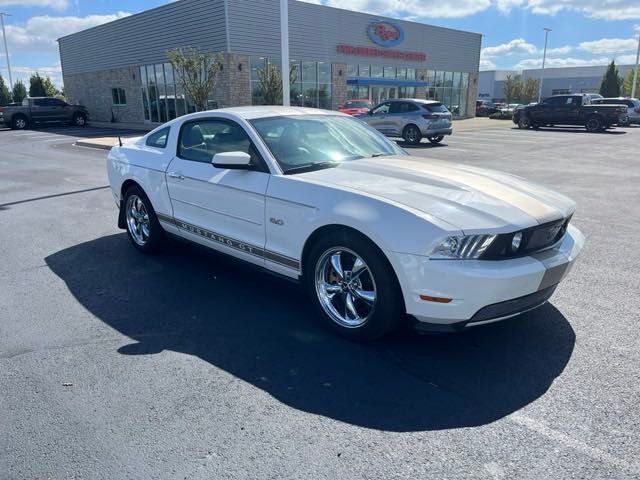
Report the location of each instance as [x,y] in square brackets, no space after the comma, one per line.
[197,72]
[5,96]
[627,84]
[611,82]
[530,90]
[19,91]
[50,89]
[270,83]
[36,86]
[512,88]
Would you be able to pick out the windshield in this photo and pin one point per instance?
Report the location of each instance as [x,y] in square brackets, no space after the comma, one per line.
[303,141]
[357,104]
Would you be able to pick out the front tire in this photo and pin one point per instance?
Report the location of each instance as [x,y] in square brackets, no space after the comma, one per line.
[411,135]
[353,286]
[79,120]
[143,228]
[436,140]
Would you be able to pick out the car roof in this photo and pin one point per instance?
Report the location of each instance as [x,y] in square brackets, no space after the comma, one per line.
[415,100]
[263,111]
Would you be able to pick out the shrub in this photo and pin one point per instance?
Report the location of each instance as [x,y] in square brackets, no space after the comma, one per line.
[501,116]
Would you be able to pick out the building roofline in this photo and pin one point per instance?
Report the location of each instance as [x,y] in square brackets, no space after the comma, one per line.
[312,5]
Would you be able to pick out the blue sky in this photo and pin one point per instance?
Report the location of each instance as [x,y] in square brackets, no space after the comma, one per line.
[585,32]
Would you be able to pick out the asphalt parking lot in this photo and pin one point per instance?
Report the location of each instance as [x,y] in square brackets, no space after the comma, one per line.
[189,365]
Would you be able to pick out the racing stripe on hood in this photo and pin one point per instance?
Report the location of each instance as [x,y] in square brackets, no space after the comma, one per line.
[520,199]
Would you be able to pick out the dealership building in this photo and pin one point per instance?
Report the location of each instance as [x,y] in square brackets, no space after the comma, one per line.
[557,81]
[120,70]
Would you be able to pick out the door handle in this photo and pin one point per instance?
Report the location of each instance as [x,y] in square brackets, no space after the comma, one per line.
[177,175]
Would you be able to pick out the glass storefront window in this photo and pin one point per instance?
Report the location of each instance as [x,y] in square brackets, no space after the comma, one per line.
[389,72]
[430,77]
[352,71]
[324,72]
[295,88]
[309,72]
[402,73]
[448,79]
[376,71]
[411,73]
[456,80]
[364,71]
[438,79]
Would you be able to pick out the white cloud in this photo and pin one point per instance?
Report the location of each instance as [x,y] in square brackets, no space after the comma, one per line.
[572,62]
[486,64]
[515,46]
[57,4]
[40,33]
[505,6]
[604,9]
[559,50]
[609,45]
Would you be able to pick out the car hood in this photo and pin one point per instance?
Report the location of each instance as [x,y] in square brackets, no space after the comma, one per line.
[469,198]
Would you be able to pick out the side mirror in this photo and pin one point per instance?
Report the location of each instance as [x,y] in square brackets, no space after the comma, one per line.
[370,112]
[232,160]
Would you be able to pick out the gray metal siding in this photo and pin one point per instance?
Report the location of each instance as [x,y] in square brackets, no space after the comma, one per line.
[315,31]
[145,37]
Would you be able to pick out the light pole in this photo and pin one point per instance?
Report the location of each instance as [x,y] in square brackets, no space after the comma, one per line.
[284,42]
[635,73]
[6,50]
[544,58]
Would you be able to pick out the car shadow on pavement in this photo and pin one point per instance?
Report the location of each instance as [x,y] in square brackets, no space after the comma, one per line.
[262,329]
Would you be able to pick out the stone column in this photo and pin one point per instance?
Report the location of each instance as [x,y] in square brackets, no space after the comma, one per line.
[472,94]
[338,84]
[421,76]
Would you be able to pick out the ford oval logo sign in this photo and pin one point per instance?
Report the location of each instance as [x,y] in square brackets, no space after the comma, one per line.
[385,34]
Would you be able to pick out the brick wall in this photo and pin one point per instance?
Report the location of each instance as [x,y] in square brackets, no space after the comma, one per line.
[93,90]
[232,88]
[338,84]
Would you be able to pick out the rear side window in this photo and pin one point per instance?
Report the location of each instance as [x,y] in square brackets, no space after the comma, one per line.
[435,108]
[158,139]
[402,107]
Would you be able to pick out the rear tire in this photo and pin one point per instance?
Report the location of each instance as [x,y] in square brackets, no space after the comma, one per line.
[436,140]
[411,135]
[19,122]
[594,124]
[143,228]
[353,286]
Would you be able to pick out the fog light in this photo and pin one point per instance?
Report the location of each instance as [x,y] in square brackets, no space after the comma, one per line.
[516,241]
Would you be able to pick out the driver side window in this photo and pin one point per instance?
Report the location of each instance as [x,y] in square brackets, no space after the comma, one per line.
[200,140]
[382,108]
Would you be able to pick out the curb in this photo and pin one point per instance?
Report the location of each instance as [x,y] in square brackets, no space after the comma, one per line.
[81,143]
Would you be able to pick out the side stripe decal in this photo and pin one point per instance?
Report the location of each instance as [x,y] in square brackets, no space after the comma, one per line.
[231,242]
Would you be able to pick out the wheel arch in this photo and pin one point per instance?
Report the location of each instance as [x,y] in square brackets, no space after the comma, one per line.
[126,185]
[323,230]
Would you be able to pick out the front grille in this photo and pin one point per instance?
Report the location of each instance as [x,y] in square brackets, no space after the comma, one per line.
[533,239]
[513,307]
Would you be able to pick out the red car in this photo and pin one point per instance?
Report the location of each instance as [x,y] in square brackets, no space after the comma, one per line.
[357,106]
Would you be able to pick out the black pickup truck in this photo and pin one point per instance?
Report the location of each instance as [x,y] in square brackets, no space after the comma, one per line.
[569,110]
[43,110]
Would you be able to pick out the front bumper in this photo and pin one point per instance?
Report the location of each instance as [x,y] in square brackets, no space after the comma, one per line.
[482,291]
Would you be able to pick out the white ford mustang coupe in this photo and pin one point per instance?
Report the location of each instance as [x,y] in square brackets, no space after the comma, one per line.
[374,234]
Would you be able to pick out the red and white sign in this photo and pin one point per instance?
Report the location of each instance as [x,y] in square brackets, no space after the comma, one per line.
[383,53]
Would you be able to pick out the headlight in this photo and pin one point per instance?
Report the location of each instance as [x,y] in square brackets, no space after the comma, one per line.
[516,241]
[462,247]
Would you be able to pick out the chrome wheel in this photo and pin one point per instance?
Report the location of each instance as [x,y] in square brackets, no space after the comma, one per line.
[593,124]
[137,220]
[524,122]
[20,123]
[80,120]
[345,287]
